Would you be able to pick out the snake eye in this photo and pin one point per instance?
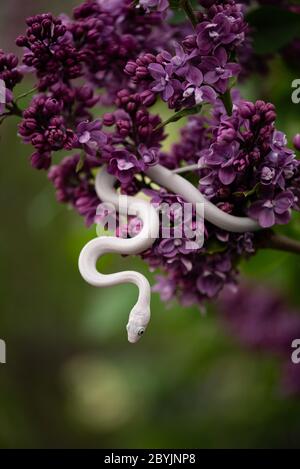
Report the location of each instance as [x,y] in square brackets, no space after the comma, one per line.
[141,331]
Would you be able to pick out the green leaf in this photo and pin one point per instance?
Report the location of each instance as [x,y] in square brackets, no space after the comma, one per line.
[274,28]
[178,115]
[80,163]
[214,246]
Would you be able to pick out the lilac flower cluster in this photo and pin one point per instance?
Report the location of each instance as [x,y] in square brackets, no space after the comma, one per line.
[245,168]
[108,34]
[192,277]
[201,66]
[75,187]
[95,46]
[135,141]
[248,160]
[49,123]
[159,5]
[262,321]
[9,72]
[194,273]
[50,50]
[123,55]
[244,162]
[124,140]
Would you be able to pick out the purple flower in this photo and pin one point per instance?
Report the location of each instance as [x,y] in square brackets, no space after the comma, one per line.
[90,136]
[222,158]
[183,65]
[217,70]
[165,287]
[9,71]
[149,155]
[123,165]
[273,210]
[282,166]
[50,50]
[212,34]
[279,140]
[211,280]
[40,160]
[267,175]
[163,81]
[135,226]
[76,187]
[171,247]
[245,244]
[159,5]
[201,94]
[181,58]
[296,142]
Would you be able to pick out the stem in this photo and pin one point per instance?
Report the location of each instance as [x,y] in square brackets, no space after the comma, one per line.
[179,115]
[12,110]
[27,93]
[15,110]
[267,239]
[226,99]
[187,7]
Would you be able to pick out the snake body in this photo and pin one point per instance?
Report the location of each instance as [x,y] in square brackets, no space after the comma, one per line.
[139,316]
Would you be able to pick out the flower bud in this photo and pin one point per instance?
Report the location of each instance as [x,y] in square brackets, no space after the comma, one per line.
[296,141]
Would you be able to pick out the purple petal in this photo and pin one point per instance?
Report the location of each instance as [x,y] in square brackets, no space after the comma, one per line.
[168,92]
[194,76]
[221,55]
[209,284]
[255,209]
[208,94]
[283,218]
[124,165]
[266,217]
[211,77]
[227,175]
[157,71]
[85,137]
[283,202]
[158,87]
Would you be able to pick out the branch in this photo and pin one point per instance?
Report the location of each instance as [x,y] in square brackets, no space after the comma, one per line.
[267,239]
[12,110]
[283,243]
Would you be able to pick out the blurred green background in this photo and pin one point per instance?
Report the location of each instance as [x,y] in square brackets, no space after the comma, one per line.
[71,378]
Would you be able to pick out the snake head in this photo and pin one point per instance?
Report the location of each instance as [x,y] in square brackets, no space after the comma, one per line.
[137,324]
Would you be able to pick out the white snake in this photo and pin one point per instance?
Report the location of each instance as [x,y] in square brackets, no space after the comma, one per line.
[139,316]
